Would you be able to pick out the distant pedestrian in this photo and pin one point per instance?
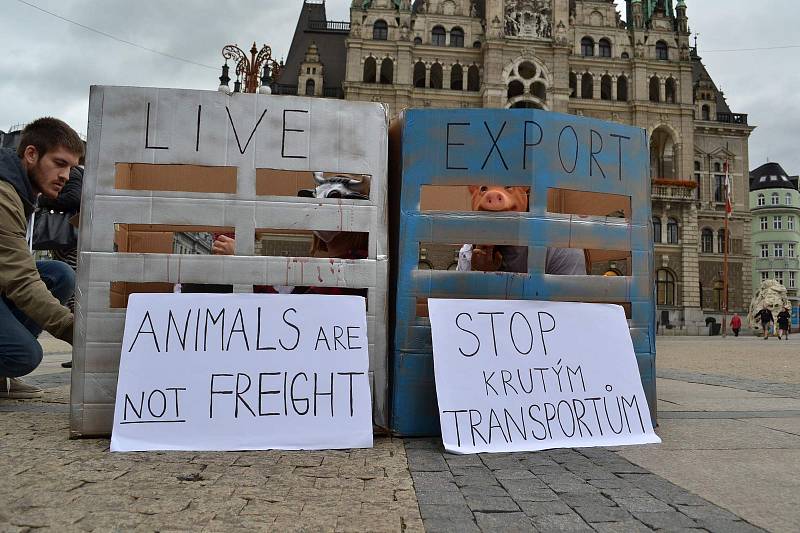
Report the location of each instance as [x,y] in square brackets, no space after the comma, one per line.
[736,324]
[765,317]
[783,323]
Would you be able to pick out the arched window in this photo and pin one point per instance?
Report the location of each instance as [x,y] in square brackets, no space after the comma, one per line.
[387,71]
[539,90]
[706,112]
[587,86]
[380,30]
[417,40]
[657,230]
[310,87]
[654,89]
[476,44]
[625,55]
[761,200]
[662,51]
[672,231]
[573,85]
[605,87]
[665,287]
[670,91]
[419,75]
[436,76]
[605,48]
[707,241]
[457,37]
[473,79]
[776,199]
[457,78]
[438,36]
[370,67]
[622,89]
[587,47]
[515,88]
[721,241]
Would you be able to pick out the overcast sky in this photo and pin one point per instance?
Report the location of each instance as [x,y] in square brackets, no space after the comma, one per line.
[48,64]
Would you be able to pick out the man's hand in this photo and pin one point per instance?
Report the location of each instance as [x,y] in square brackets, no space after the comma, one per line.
[223,245]
[486,258]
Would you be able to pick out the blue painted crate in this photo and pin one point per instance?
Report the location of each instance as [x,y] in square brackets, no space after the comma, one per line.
[538,149]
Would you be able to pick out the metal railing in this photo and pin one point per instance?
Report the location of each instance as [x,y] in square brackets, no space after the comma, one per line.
[732,118]
[329,25]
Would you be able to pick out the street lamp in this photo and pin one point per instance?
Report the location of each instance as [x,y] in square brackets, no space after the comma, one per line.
[248,69]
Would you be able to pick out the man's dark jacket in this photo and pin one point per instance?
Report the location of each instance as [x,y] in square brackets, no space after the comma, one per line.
[19,279]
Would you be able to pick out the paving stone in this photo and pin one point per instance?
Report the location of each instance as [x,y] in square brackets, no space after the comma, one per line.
[442,525]
[586,499]
[597,513]
[707,512]
[439,497]
[561,523]
[449,512]
[664,520]
[513,473]
[511,522]
[462,460]
[727,526]
[490,504]
[476,480]
[626,526]
[545,508]
[643,505]
[483,490]
[523,490]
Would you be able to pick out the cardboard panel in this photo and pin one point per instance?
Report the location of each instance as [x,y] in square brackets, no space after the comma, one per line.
[188,178]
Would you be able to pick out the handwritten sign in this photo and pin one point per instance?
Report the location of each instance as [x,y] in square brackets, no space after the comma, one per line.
[243,372]
[524,376]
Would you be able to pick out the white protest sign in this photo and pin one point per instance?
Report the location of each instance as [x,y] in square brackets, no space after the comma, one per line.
[524,376]
[243,372]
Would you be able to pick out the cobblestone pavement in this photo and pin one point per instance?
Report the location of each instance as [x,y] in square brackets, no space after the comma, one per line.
[49,481]
[786,390]
[748,357]
[557,490]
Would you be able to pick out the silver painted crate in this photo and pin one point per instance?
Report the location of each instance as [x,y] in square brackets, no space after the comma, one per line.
[183,127]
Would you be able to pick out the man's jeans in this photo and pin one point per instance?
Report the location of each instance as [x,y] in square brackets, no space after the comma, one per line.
[20,352]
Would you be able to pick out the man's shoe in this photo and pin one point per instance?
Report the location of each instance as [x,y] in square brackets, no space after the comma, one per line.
[16,389]
[779,337]
[66,364]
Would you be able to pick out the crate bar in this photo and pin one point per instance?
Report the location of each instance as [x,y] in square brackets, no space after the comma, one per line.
[530,148]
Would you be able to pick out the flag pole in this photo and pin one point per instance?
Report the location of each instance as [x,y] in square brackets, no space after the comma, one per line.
[728,209]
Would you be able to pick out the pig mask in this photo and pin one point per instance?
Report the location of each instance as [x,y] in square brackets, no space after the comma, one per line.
[494,198]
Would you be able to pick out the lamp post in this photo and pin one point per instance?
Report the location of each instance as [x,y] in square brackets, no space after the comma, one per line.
[258,69]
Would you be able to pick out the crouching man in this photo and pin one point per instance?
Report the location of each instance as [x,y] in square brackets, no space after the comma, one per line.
[32,293]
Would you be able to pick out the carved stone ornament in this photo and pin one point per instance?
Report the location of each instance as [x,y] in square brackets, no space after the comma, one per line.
[529,19]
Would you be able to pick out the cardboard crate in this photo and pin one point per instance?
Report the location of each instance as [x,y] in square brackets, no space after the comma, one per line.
[167,160]
[579,172]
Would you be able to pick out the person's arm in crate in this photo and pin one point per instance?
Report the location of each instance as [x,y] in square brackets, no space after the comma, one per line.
[223,245]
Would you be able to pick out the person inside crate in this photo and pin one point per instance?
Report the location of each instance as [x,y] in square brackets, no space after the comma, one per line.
[324,243]
[509,258]
[33,293]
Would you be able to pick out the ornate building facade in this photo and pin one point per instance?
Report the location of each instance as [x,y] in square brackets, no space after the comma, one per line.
[569,56]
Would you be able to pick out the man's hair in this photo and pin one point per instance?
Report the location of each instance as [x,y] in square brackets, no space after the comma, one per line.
[47,134]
